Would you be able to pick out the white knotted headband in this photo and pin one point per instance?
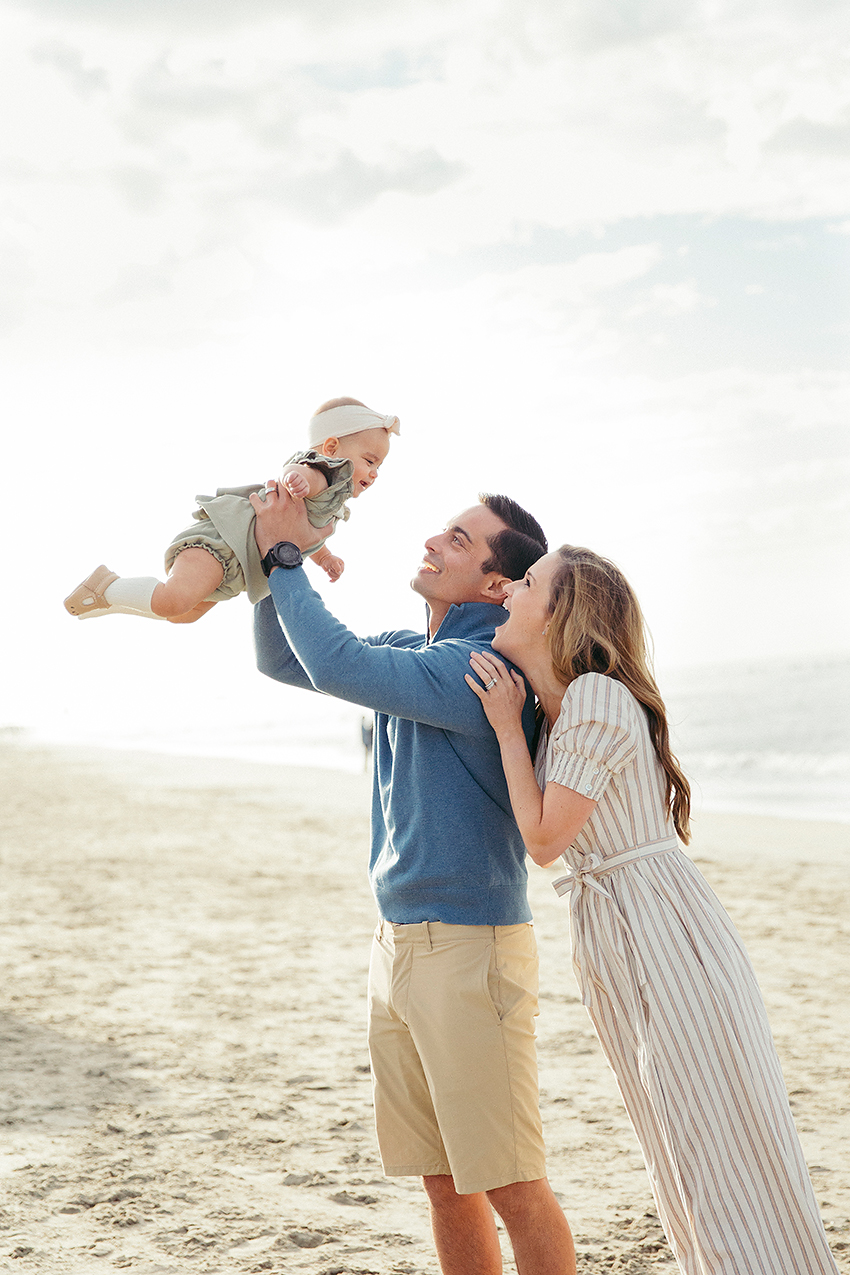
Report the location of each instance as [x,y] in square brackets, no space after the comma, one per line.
[338,422]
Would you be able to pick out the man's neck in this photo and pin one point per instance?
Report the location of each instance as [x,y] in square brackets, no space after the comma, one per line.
[437,612]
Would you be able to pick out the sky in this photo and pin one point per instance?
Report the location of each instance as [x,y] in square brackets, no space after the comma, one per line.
[594,254]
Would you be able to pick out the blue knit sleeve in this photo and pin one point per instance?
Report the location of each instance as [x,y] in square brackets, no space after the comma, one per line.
[275,656]
[423,685]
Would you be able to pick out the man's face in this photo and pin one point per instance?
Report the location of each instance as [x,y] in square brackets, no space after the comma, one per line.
[451,568]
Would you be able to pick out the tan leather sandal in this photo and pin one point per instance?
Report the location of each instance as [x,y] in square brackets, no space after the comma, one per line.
[88,597]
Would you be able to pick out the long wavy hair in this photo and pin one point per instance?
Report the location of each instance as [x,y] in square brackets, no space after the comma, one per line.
[597,627]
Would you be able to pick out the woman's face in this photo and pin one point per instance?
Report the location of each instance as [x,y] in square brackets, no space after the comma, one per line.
[527,605]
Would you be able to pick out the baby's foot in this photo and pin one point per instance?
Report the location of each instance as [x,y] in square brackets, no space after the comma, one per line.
[88,598]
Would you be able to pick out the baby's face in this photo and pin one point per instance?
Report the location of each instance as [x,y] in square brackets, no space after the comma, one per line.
[367,451]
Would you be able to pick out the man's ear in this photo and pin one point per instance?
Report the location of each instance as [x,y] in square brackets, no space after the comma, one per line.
[495,588]
[330,446]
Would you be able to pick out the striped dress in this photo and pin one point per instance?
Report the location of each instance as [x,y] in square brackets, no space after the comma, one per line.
[675,1003]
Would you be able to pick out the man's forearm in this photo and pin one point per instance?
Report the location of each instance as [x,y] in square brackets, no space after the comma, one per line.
[275,658]
[422,685]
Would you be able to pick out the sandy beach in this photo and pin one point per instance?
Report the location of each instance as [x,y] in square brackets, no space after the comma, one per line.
[186,1083]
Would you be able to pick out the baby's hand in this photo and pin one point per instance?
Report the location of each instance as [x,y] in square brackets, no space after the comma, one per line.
[333,566]
[296,484]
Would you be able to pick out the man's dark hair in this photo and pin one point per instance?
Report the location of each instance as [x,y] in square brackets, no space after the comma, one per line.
[518,547]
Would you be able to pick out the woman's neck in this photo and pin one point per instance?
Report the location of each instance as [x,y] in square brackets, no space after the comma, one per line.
[549,691]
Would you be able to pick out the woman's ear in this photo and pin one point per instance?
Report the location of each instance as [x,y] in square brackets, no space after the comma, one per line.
[330,446]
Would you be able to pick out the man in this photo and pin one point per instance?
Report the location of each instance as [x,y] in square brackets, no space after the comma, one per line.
[453,977]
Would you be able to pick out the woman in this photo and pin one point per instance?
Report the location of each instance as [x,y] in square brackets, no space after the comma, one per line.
[663,972]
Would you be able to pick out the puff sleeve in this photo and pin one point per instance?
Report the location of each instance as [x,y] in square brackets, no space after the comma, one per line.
[595,737]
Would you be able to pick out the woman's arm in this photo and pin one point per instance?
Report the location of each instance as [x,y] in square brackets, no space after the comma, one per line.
[548,822]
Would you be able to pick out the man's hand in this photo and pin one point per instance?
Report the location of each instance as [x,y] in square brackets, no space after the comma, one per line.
[279,517]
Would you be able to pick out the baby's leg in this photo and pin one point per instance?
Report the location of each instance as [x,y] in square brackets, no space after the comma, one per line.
[193,577]
[191,616]
[105,593]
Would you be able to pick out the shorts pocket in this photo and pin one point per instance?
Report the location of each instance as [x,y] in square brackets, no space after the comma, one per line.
[512,977]
[491,981]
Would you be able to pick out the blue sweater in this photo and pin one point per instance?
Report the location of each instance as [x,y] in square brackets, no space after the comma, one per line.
[445,846]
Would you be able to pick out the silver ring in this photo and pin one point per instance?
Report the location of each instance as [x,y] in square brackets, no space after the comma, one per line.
[489,685]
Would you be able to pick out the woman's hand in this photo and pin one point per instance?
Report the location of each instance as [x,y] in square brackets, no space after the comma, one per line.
[502,693]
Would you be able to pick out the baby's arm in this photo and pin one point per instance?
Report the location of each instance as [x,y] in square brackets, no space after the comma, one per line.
[329,562]
[303,480]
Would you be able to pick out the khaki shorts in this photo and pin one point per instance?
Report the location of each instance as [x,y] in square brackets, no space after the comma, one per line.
[454,1061]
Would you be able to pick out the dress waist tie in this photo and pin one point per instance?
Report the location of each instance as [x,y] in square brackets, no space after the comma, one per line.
[624,969]
[584,878]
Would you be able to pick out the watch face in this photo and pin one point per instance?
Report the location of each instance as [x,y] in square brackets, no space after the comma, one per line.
[286,554]
[283,554]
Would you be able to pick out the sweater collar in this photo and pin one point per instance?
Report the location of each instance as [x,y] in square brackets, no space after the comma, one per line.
[469,620]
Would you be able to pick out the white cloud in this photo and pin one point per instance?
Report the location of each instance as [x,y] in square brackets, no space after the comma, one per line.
[671,108]
[143,187]
[590,26]
[331,193]
[571,300]
[187,15]
[513,223]
[69,60]
[17,276]
[812,137]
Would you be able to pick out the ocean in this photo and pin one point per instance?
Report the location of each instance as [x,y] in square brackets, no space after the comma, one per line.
[765,737]
[759,737]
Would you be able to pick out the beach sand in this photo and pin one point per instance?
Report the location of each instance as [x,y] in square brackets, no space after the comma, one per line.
[184,955]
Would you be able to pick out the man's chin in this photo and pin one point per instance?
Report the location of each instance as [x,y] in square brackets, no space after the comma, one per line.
[421,583]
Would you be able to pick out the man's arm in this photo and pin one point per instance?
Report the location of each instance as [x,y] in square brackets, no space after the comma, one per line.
[275,657]
[424,685]
[279,517]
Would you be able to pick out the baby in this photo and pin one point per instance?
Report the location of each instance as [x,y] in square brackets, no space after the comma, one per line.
[218,558]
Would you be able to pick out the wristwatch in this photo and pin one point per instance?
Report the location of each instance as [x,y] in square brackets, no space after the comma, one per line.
[283,554]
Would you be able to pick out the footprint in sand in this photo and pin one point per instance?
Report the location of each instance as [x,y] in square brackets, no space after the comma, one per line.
[345,1197]
[305,1239]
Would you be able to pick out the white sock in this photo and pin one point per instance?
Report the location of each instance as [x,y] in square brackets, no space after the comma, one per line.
[131,595]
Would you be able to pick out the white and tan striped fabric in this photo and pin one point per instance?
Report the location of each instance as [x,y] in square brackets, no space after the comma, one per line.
[675,1002]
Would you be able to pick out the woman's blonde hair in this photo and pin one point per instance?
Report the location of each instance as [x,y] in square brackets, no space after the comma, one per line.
[597,627]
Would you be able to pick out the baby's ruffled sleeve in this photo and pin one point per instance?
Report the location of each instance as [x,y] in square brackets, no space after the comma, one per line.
[595,737]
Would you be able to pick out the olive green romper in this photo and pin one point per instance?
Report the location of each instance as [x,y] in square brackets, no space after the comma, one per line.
[227,519]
